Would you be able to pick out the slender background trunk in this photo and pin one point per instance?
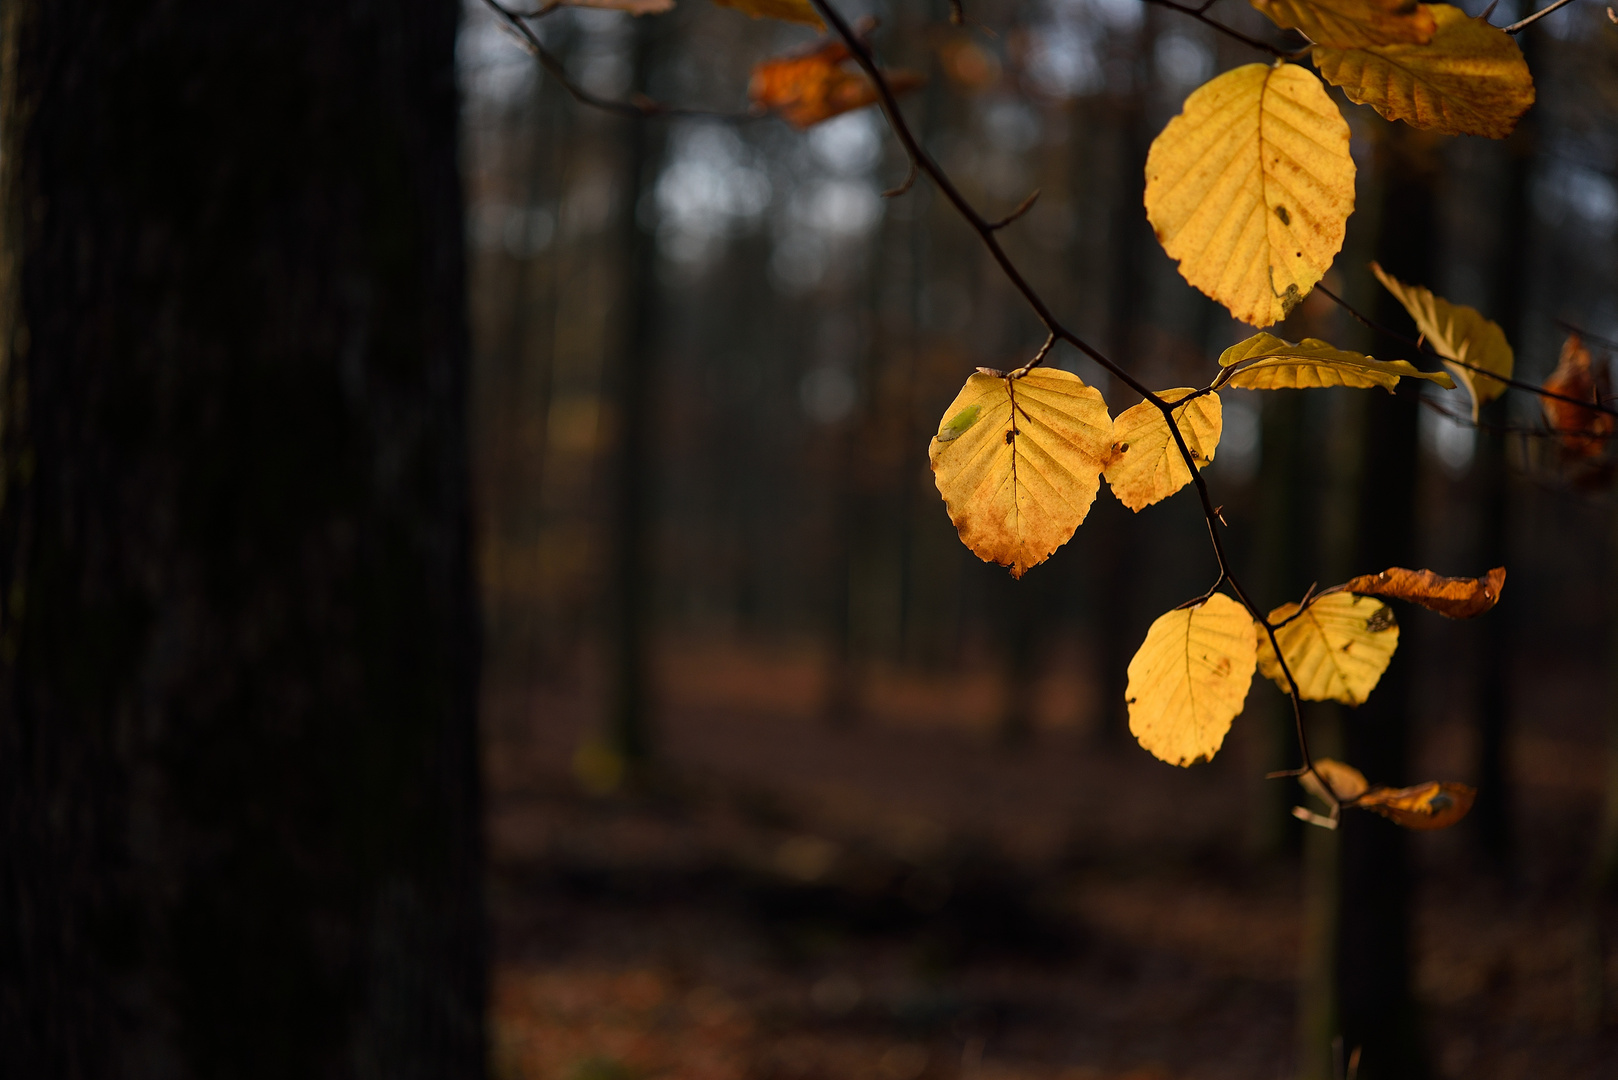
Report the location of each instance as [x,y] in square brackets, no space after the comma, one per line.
[239,827]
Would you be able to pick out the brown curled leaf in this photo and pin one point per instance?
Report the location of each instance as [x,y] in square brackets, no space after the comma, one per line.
[1452,597]
[1432,805]
[1583,432]
[806,88]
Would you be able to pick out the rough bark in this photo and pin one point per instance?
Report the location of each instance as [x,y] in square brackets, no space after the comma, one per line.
[238,798]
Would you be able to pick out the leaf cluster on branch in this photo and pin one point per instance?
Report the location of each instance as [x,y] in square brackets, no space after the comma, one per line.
[1249,189]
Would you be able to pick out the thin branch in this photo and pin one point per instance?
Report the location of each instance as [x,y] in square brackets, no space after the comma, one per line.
[1423,347]
[1199,13]
[515,22]
[1022,208]
[1523,24]
[1605,343]
[923,161]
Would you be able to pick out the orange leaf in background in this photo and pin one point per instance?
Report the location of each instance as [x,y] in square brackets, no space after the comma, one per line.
[1453,597]
[798,11]
[968,64]
[1425,806]
[819,85]
[634,7]
[1584,432]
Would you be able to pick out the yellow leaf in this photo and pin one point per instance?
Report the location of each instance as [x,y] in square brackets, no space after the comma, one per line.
[1018,461]
[1469,80]
[1346,782]
[1457,332]
[1423,806]
[1250,187]
[1348,24]
[1337,649]
[1189,679]
[798,11]
[1273,364]
[1145,466]
[1455,597]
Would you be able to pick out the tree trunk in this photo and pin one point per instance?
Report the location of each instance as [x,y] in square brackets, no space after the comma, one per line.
[1373,939]
[238,644]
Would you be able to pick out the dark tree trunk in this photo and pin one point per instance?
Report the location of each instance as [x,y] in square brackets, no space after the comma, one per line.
[1373,941]
[629,721]
[238,796]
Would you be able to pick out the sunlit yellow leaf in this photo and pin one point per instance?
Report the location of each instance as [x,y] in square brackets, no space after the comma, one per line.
[1145,466]
[1469,80]
[1457,332]
[1348,24]
[1273,364]
[798,11]
[1018,461]
[1337,649]
[1189,679]
[1455,597]
[1423,806]
[1250,187]
[1346,781]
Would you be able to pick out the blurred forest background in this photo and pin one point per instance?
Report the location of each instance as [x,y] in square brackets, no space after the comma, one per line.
[883,816]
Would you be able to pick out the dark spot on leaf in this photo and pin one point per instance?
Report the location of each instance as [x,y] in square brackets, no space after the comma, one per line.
[1009,436]
[1281,212]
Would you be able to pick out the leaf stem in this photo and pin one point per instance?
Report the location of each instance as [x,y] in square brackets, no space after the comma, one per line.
[1523,24]
[1423,347]
[1199,13]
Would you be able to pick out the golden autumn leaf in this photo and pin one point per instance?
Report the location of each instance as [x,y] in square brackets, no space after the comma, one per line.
[1455,597]
[1189,679]
[1346,782]
[1457,333]
[1018,461]
[1337,649]
[1273,364]
[1249,188]
[798,11]
[1349,24]
[1145,465]
[634,7]
[1432,805]
[1583,432]
[810,87]
[1470,79]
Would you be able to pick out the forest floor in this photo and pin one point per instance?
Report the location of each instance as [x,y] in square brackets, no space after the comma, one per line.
[903,897]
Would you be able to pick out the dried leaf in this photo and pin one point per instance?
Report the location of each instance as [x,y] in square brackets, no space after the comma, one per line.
[1250,188]
[1145,465]
[1349,24]
[798,11]
[1189,679]
[1584,432]
[807,88]
[1424,806]
[1337,649]
[1457,333]
[634,7]
[968,64]
[1273,364]
[1455,597]
[1019,460]
[1470,79]
[1347,783]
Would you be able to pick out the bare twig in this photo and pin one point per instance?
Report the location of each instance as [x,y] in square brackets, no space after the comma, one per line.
[1422,347]
[516,22]
[1605,343]
[1523,24]
[1199,13]
[1022,208]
